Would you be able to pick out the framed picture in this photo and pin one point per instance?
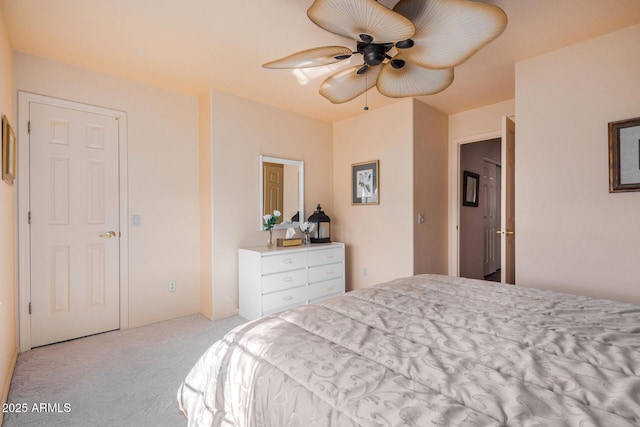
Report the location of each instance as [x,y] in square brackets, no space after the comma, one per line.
[9,152]
[624,155]
[470,188]
[365,182]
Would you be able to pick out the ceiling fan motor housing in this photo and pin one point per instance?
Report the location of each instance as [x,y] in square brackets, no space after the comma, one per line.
[374,53]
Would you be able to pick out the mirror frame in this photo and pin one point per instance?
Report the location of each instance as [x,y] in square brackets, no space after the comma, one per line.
[300,165]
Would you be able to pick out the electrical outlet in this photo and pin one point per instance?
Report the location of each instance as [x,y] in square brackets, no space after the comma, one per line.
[365,271]
[172,286]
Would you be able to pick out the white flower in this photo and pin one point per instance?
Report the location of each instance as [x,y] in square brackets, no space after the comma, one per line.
[307,227]
[267,217]
[277,213]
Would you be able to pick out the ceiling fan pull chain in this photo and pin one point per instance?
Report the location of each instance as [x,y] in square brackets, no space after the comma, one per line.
[366,92]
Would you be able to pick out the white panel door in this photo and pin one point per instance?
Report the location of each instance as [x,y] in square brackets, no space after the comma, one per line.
[74,207]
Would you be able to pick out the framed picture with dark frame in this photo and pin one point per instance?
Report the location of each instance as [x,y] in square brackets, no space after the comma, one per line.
[365,183]
[470,189]
[624,155]
[9,152]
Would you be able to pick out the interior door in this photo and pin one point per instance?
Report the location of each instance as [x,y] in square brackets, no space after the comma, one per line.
[74,215]
[508,220]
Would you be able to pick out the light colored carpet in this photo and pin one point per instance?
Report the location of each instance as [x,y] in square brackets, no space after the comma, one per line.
[120,378]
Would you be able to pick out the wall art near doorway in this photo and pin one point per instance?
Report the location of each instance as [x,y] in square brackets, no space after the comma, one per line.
[470,189]
[624,155]
[365,182]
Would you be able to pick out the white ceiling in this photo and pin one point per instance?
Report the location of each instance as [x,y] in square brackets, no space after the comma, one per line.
[191,46]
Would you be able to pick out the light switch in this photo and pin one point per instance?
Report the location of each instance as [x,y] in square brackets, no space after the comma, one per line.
[135,220]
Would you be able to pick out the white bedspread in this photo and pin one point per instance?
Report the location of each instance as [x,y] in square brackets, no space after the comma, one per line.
[426,351]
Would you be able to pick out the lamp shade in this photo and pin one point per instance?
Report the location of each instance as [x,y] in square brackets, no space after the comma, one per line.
[322,229]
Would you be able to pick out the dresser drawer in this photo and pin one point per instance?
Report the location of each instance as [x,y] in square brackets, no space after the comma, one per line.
[277,300]
[326,256]
[284,262]
[326,272]
[326,289]
[285,280]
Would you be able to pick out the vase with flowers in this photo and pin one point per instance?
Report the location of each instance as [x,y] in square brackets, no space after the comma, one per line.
[307,227]
[269,221]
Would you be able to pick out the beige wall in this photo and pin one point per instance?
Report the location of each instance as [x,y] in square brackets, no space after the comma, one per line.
[430,172]
[378,238]
[162,180]
[8,348]
[241,130]
[206,241]
[572,234]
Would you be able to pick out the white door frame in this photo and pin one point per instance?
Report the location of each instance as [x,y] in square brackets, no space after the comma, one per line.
[24,245]
[455,195]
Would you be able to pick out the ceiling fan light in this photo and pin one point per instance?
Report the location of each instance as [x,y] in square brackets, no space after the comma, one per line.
[372,58]
[348,18]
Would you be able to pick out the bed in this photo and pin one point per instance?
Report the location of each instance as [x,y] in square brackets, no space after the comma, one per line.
[427,350]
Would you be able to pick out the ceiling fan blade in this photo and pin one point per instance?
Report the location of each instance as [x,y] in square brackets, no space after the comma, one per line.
[448,32]
[312,57]
[412,80]
[347,84]
[351,18]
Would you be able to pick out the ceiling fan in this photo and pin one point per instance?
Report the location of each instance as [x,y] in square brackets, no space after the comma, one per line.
[408,51]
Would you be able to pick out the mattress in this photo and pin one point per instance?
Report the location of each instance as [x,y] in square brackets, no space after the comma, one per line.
[422,351]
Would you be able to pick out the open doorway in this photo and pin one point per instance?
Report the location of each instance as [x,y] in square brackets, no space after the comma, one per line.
[480,248]
[474,250]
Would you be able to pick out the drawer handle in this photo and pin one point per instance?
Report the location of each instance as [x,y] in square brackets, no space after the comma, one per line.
[328,257]
[328,273]
[287,261]
[289,298]
[328,289]
[287,280]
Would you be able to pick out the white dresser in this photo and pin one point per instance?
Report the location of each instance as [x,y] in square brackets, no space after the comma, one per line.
[276,279]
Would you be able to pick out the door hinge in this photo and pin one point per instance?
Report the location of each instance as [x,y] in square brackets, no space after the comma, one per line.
[29,127]
[29,308]
[29,217]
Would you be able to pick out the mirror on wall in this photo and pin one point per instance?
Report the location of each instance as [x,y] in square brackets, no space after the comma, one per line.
[282,188]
